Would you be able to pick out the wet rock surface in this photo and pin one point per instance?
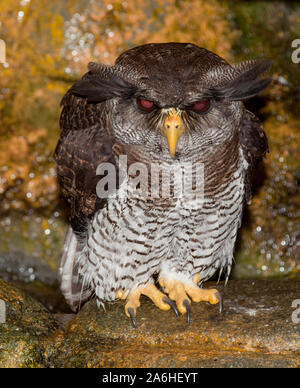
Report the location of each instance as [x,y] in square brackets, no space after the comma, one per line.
[269,240]
[256,329]
[30,250]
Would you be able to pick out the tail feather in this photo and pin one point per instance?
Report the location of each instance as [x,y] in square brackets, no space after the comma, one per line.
[70,283]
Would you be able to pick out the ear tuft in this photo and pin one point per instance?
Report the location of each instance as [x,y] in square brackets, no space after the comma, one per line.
[246,83]
[261,66]
[99,67]
[101,84]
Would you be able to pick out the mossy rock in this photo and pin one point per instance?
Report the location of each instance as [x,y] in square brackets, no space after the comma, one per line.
[25,333]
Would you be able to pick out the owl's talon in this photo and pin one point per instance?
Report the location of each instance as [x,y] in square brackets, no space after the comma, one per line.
[133,300]
[180,292]
[172,304]
[132,316]
[187,306]
[121,294]
[177,299]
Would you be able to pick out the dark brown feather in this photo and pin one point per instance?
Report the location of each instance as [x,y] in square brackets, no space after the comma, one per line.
[254,144]
[83,145]
[246,85]
[97,89]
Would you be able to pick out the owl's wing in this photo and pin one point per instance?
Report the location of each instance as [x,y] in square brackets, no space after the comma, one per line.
[254,144]
[83,145]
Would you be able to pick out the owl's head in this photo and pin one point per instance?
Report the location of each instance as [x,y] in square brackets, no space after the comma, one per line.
[173,99]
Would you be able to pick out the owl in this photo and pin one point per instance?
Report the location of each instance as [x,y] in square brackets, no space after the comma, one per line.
[162,107]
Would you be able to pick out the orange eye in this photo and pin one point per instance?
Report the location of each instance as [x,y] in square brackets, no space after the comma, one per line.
[145,105]
[201,106]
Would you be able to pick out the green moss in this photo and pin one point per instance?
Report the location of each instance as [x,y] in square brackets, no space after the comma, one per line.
[26,333]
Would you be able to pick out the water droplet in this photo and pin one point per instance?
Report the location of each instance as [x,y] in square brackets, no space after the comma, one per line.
[20,15]
[32,277]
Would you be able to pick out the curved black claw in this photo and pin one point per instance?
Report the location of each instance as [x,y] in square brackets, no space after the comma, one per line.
[165,299]
[162,289]
[132,317]
[188,310]
[221,302]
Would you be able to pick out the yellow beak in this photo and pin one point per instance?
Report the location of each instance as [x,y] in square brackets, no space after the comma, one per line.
[173,129]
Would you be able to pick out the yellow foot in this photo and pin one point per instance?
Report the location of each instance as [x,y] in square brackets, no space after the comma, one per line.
[133,300]
[181,293]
